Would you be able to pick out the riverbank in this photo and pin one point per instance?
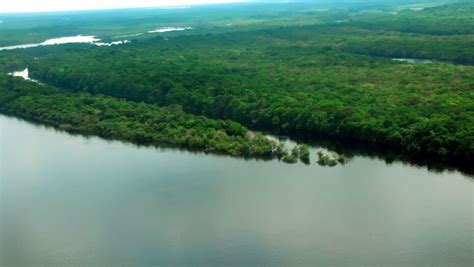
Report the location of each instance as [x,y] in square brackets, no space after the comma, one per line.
[138,123]
[148,124]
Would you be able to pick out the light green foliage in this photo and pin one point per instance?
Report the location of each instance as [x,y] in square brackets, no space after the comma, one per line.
[304,154]
[135,122]
[325,159]
[293,157]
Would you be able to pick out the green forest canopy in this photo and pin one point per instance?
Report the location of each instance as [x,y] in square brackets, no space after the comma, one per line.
[333,79]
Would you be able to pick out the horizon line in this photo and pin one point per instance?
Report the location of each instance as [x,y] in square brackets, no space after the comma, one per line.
[165,6]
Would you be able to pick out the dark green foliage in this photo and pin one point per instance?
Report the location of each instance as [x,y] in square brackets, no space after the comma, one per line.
[325,159]
[293,157]
[281,151]
[451,49]
[303,153]
[454,19]
[423,110]
[135,122]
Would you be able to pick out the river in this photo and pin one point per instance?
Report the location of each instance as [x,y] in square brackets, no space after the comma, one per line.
[66,40]
[68,200]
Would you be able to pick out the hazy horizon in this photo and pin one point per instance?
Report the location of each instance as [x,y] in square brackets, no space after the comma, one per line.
[32,6]
[28,6]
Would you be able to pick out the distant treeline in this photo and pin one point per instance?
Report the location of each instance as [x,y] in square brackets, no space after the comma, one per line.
[452,19]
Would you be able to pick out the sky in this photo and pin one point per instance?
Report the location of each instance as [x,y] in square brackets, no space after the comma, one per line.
[9,6]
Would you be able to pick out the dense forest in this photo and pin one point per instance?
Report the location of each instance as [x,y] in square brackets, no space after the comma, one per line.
[135,122]
[454,19]
[323,79]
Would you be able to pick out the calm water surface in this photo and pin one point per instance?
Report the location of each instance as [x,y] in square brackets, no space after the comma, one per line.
[66,40]
[71,201]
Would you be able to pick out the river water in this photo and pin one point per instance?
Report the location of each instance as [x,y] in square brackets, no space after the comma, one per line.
[89,39]
[73,201]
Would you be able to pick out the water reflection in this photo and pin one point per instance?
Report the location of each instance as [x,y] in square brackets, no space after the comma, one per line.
[170,29]
[89,39]
[74,201]
[413,60]
[25,74]
[353,148]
